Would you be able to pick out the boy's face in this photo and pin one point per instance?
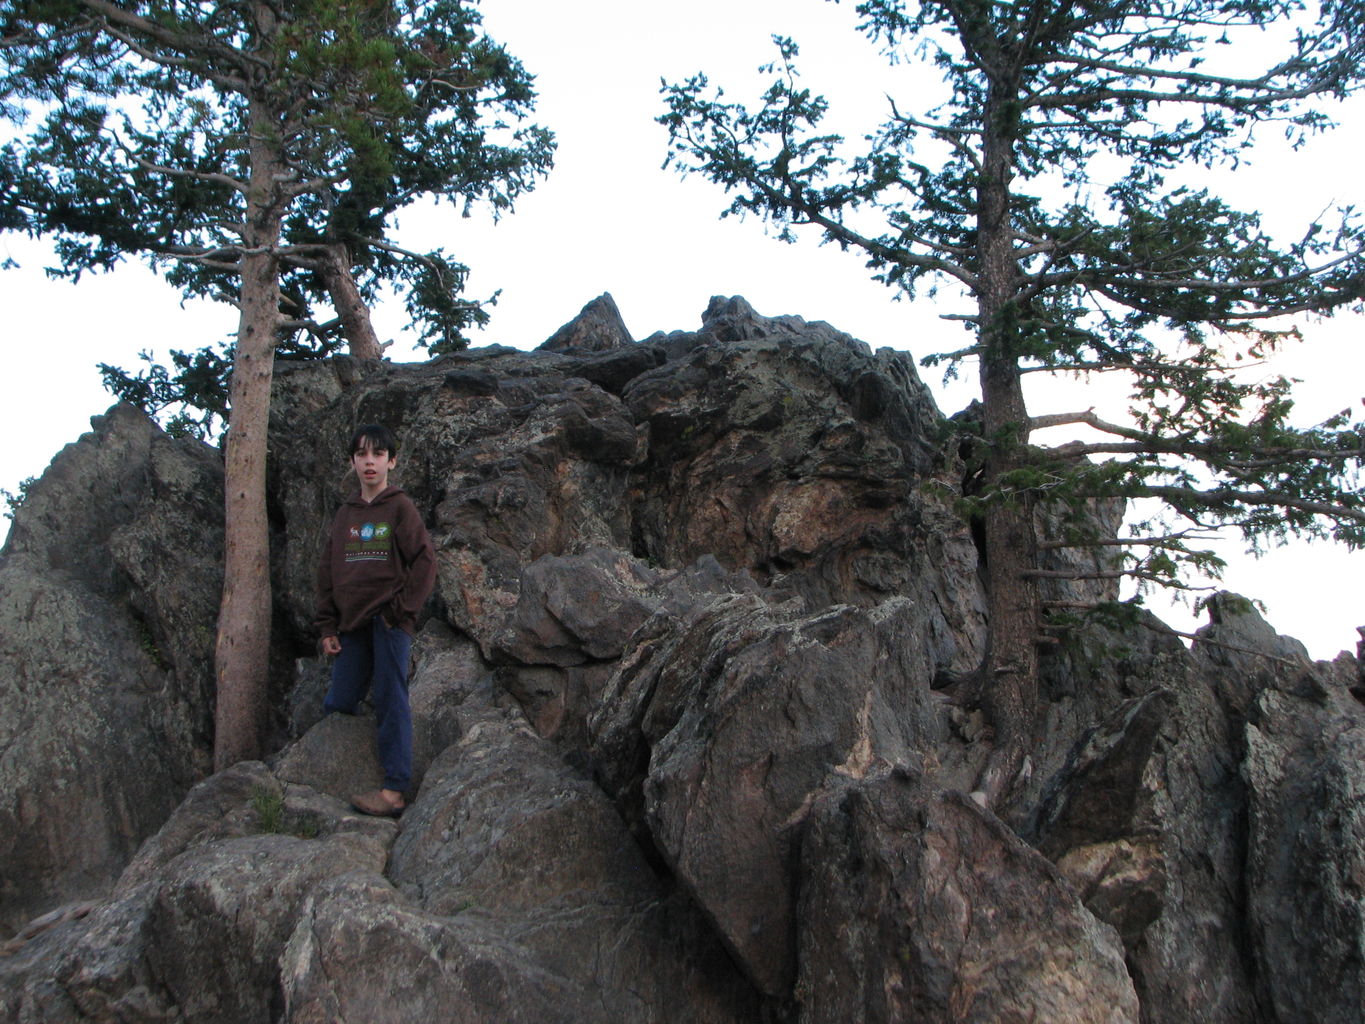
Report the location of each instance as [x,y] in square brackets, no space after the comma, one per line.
[372,467]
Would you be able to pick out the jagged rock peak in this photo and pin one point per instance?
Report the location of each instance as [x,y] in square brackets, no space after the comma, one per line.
[733,319]
[598,327]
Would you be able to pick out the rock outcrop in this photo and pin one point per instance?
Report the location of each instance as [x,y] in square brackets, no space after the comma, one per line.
[597,327]
[107,614]
[688,726]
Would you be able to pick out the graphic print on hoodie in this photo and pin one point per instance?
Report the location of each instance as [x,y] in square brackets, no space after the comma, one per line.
[379,561]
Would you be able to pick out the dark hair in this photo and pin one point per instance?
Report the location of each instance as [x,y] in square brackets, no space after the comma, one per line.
[375,437]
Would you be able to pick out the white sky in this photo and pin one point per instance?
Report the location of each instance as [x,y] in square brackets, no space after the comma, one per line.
[609,218]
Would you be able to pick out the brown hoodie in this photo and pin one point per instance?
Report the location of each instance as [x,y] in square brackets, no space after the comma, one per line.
[379,561]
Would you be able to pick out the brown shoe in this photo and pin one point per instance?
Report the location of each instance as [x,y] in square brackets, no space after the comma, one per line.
[377,804]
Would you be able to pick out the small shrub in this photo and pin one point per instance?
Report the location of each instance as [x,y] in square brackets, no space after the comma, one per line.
[13,499]
[269,807]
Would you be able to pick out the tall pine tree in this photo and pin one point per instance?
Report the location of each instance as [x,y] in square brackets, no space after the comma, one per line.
[1049,186]
[256,151]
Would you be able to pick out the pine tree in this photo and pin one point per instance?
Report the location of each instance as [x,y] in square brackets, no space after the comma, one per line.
[256,151]
[1050,187]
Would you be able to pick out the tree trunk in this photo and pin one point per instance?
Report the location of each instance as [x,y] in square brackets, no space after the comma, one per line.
[356,327]
[1010,674]
[242,656]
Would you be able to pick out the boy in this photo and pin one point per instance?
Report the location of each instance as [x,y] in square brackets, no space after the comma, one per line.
[374,577]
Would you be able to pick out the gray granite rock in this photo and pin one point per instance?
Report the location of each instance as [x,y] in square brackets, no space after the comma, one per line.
[108,585]
[598,327]
[918,905]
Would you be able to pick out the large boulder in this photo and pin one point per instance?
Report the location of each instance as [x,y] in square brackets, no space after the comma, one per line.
[109,585]
[196,925]
[1303,775]
[577,615]
[918,905]
[511,890]
[362,951]
[518,847]
[795,453]
[722,728]
[1207,817]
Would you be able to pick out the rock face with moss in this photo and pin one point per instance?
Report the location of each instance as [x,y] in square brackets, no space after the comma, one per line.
[694,725]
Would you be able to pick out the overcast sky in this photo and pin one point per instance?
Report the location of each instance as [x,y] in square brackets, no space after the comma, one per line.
[611,219]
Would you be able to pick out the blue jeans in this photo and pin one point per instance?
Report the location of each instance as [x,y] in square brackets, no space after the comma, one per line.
[379,654]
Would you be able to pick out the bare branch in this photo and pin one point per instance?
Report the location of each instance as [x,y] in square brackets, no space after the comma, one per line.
[1262,88]
[1123,542]
[1238,458]
[203,261]
[119,21]
[1157,626]
[213,177]
[1088,418]
[1149,368]
[793,199]
[958,138]
[398,250]
[228,83]
[1117,574]
[1228,495]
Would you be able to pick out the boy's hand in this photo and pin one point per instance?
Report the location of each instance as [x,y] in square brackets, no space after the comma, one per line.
[331,646]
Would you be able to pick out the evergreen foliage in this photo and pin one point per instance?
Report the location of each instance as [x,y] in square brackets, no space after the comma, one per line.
[131,138]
